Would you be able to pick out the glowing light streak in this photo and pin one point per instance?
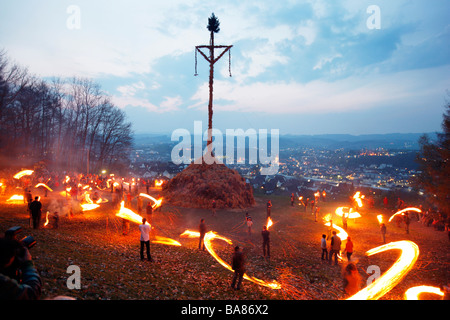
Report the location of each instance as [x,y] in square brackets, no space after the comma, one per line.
[403,211]
[129,214]
[22,173]
[166,241]
[43,185]
[15,199]
[414,292]
[407,259]
[211,235]
[157,203]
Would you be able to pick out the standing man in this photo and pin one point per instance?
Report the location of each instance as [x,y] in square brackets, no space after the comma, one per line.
[269,206]
[144,228]
[202,230]
[249,225]
[139,204]
[323,245]
[344,220]
[407,222]
[238,265]
[36,212]
[383,232]
[266,241]
[149,212]
[335,248]
[29,199]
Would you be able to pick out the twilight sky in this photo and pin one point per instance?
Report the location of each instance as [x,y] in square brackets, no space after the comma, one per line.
[300,66]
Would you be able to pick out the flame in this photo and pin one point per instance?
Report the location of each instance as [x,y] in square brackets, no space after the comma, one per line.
[46,219]
[159,183]
[190,234]
[341,234]
[380,218]
[269,223]
[358,198]
[157,203]
[166,241]
[413,293]
[129,214]
[403,211]
[22,173]
[43,185]
[349,214]
[407,259]
[89,206]
[15,198]
[67,179]
[211,235]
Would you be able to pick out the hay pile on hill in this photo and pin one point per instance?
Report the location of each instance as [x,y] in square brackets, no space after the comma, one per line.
[199,184]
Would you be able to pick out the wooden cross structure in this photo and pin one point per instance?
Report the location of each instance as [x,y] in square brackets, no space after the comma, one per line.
[213,27]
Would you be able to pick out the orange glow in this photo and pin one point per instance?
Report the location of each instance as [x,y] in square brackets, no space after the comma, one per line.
[349,212]
[89,206]
[190,234]
[157,203]
[327,217]
[129,214]
[22,173]
[211,235]
[358,198]
[46,219]
[341,234]
[15,199]
[403,211]
[166,241]
[269,223]
[407,259]
[380,218]
[159,183]
[43,185]
[413,293]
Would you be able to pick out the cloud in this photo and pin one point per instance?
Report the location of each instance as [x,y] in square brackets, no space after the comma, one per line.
[326,60]
[130,90]
[354,93]
[168,104]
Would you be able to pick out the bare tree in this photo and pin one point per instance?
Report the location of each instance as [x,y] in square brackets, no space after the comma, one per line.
[71,124]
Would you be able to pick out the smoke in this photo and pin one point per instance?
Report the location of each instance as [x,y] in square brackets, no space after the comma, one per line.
[59,207]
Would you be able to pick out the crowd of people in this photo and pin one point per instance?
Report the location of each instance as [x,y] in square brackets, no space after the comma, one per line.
[331,246]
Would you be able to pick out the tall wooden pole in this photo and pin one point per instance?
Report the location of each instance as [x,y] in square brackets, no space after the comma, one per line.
[211,83]
[212,60]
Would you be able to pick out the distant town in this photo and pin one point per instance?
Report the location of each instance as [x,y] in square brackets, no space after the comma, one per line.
[336,164]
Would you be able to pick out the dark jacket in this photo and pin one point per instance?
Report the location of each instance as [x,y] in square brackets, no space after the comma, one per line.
[28,289]
[266,235]
[238,262]
[202,228]
[35,207]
